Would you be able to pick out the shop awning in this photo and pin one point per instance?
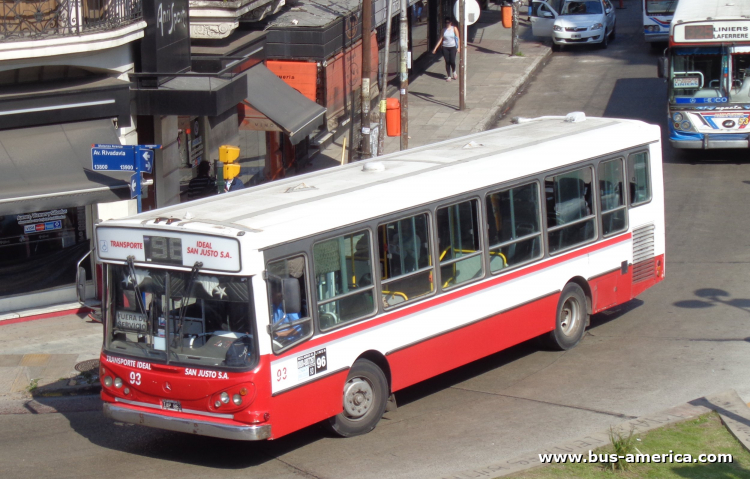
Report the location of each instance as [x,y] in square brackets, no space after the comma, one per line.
[292,112]
[49,167]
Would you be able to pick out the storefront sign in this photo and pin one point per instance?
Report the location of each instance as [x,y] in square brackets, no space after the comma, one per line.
[302,76]
[165,47]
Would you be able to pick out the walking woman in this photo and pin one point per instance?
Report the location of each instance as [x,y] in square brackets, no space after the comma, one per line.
[451,46]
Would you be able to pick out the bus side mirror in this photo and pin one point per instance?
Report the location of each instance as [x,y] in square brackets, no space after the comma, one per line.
[292,296]
[663,67]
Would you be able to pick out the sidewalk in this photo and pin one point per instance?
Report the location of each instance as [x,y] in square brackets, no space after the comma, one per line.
[494,78]
[42,354]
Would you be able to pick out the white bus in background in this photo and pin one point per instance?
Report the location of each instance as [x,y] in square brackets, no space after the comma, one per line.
[708,74]
[252,314]
[657,16]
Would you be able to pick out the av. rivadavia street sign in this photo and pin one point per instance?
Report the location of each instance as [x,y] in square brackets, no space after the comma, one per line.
[112,158]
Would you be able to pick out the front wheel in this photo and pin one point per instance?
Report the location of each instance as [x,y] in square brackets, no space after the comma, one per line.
[365,396]
[572,317]
[605,41]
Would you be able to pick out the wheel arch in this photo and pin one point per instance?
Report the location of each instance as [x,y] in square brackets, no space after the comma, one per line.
[380,361]
[586,291]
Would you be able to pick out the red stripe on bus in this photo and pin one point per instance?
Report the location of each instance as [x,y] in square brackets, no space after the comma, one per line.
[387,317]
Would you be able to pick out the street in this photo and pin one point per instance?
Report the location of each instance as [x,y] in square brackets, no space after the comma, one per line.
[685,338]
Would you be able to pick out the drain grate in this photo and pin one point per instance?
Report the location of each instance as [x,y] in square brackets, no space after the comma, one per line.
[86,366]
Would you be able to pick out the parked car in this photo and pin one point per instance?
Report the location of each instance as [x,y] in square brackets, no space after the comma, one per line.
[574,22]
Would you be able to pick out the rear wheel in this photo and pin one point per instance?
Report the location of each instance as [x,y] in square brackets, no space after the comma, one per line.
[572,317]
[364,398]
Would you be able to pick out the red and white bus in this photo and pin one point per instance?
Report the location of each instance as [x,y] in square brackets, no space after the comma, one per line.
[253,314]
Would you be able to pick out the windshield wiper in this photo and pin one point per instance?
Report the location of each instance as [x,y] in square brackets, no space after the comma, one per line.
[131,271]
[183,306]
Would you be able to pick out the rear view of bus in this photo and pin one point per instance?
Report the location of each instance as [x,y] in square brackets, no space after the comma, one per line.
[708,77]
[253,314]
[657,15]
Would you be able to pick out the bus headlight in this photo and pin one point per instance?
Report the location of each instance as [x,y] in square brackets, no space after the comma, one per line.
[224,398]
[118,382]
[237,400]
[108,381]
[685,125]
[677,117]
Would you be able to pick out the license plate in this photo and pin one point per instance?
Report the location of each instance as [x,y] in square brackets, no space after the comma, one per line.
[171,405]
[130,321]
[687,82]
[576,35]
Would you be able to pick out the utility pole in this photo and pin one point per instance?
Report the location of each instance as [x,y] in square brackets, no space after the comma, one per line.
[514,30]
[366,74]
[384,77]
[462,57]
[404,47]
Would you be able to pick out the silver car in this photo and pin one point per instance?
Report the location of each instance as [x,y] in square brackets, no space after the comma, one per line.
[574,22]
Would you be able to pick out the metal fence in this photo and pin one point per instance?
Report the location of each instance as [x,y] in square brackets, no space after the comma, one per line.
[37,19]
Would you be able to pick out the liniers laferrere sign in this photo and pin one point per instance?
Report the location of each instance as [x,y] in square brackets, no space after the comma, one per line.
[168,248]
[715,31]
[165,47]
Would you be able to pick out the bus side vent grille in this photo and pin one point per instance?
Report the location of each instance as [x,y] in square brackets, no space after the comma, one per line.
[643,253]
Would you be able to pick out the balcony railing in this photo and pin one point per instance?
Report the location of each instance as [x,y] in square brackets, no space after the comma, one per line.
[38,19]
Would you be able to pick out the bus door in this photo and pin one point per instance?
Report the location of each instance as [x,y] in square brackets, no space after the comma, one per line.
[543,16]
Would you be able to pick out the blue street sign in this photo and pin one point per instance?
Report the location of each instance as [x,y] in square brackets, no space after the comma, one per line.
[146,159]
[135,185]
[112,158]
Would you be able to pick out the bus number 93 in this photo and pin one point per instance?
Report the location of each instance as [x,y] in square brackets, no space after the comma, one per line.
[280,374]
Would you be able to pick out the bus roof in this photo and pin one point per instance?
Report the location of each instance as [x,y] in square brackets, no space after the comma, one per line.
[305,205]
[707,10]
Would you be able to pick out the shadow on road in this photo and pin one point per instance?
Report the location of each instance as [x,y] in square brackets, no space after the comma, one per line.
[161,445]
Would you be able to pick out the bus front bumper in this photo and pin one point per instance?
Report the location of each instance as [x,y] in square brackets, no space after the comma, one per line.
[190,426]
[708,141]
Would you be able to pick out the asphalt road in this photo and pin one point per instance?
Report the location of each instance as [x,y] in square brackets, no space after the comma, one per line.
[686,338]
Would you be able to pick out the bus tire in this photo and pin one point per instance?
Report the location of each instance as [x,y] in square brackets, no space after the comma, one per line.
[571,320]
[365,396]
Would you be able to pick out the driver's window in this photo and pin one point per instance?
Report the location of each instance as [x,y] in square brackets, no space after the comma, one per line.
[513,226]
[287,298]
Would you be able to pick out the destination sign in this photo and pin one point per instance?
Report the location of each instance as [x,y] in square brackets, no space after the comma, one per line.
[710,32]
[168,248]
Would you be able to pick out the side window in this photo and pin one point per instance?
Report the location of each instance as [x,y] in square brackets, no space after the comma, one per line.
[406,269]
[343,279]
[571,218]
[612,196]
[287,296]
[458,244]
[639,177]
[513,226]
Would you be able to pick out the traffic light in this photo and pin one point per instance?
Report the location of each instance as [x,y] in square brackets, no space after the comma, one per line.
[228,155]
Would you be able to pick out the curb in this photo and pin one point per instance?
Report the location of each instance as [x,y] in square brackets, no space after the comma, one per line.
[506,100]
[735,415]
[51,390]
[8,318]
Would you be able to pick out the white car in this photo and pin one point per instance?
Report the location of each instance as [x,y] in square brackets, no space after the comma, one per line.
[574,22]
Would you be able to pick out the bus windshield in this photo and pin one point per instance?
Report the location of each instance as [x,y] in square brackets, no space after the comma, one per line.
[182,317]
[660,7]
[696,74]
